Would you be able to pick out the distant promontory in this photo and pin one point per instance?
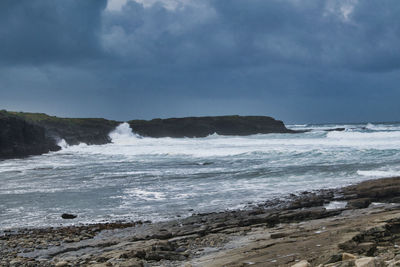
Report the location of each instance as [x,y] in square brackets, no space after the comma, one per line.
[24,134]
[204,126]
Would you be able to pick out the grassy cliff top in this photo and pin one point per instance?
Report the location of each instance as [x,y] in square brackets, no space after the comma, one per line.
[44,118]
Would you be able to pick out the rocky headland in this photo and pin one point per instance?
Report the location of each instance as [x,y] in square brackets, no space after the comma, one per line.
[204,126]
[24,134]
[19,138]
[357,225]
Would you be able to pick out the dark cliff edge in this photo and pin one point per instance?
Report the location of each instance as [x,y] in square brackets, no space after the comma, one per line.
[91,131]
[19,138]
[24,134]
[204,126]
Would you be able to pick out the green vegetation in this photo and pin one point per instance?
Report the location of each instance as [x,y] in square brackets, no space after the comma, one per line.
[73,130]
[44,118]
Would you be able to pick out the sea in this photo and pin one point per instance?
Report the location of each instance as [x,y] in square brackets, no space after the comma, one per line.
[140,178]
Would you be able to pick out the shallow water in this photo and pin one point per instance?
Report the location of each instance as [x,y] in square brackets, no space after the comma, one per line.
[157,179]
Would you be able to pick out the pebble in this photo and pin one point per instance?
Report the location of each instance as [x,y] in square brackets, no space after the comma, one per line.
[180,249]
[348,256]
[365,262]
[302,263]
[61,264]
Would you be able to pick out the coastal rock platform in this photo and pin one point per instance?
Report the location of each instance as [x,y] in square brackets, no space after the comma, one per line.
[310,229]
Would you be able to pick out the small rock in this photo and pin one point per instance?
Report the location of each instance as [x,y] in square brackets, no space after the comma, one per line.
[180,249]
[68,216]
[278,235]
[359,203]
[61,264]
[335,258]
[302,263]
[365,262]
[99,265]
[348,256]
[14,262]
[131,263]
[367,248]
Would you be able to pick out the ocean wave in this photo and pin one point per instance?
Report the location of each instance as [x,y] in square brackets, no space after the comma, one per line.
[63,144]
[143,194]
[379,173]
[353,135]
[125,143]
[382,127]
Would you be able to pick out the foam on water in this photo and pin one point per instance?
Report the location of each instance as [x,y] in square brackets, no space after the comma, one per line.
[380,173]
[334,205]
[124,142]
[382,127]
[123,134]
[159,178]
[63,144]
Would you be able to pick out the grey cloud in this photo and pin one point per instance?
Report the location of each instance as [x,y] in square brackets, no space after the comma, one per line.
[296,60]
[48,31]
[238,33]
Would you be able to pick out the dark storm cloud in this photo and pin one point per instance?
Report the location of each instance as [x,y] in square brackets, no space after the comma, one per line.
[298,60]
[49,31]
[239,33]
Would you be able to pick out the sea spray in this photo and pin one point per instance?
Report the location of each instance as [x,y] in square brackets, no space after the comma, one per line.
[63,144]
[122,134]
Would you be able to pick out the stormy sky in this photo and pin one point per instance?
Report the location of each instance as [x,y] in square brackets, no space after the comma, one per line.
[297,60]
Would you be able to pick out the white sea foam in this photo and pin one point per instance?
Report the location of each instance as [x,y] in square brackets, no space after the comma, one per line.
[122,134]
[382,127]
[376,140]
[379,173]
[63,144]
[334,205]
[126,143]
[143,194]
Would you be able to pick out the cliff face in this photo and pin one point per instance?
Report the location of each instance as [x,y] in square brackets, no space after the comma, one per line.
[73,130]
[204,126]
[19,138]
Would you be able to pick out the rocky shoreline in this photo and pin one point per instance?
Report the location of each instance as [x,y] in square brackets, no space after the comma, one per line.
[337,227]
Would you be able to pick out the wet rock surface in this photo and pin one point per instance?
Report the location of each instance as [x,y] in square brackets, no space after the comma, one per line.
[275,233]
